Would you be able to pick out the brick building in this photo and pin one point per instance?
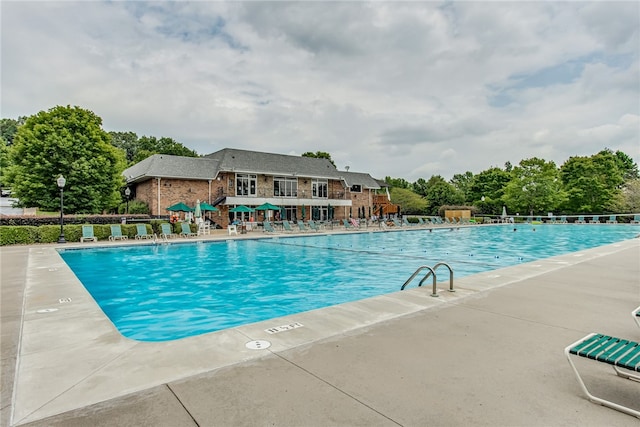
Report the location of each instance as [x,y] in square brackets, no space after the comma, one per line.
[304,187]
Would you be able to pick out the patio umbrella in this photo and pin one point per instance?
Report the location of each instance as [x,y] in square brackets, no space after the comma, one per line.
[329,212]
[179,207]
[197,212]
[504,211]
[241,208]
[304,212]
[268,207]
[206,207]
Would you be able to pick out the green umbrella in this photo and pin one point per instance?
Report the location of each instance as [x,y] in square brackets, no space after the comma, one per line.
[241,208]
[179,207]
[268,207]
[304,212]
[204,206]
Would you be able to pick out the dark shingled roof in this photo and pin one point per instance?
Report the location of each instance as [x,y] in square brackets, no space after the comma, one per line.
[233,160]
[241,161]
[167,166]
[358,178]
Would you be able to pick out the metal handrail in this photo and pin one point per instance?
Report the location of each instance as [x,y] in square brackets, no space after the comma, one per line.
[431,272]
[435,267]
[423,267]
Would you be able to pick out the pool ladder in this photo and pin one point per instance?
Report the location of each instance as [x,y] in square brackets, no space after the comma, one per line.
[431,272]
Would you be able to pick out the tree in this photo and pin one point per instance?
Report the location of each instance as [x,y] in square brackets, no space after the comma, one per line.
[487,188]
[420,187]
[593,184]
[535,187]
[630,197]
[149,145]
[319,155]
[440,192]
[66,141]
[9,127]
[410,202]
[4,160]
[462,182]
[397,182]
[127,142]
[626,165]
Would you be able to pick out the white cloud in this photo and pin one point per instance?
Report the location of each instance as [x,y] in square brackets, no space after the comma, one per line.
[401,89]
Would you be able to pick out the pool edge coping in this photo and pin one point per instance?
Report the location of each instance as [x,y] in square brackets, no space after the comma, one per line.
[40,392]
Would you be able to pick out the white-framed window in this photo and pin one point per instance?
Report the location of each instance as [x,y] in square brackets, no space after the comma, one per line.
[285,186]
[246,184]
[319,188]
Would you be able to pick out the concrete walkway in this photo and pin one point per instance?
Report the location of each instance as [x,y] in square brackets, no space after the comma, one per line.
[489,354]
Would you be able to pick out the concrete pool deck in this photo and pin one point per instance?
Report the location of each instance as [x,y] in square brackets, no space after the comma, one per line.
[489,354]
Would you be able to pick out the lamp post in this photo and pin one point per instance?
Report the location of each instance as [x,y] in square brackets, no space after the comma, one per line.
[61,182]
[127,192]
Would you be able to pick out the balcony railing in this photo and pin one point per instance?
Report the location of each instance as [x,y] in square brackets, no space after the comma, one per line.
[337,195]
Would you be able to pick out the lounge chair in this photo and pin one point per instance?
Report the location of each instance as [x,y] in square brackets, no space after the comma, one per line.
[268,228]
[302,227]
[563,219]
[623,355]
[167,233]
[286,225]
[186,230]
[612,220]
[142,232]
[116,233]
[421,222]
[232,229]
[636,219]
[406,222]
[87,234]
[580,220]
[313,226]
[595,220]
[396,222]
[347,224]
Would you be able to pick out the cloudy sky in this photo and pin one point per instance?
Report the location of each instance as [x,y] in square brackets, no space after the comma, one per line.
[401,89]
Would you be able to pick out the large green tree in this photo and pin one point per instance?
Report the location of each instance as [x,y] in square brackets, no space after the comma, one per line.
[594,183]
[137,149]
[410,202]
[487,188]
[462,182]
[534,187]
[66,141]
[440,192]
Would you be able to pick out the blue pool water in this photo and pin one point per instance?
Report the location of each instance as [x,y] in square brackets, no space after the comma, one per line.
[166,292]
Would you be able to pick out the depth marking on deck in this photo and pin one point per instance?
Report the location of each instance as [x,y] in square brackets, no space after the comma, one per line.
[283,328]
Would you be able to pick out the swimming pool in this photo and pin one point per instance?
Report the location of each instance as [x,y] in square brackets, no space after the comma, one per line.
[166,292]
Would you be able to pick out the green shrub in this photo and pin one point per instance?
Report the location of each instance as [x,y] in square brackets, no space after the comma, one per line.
[14,235]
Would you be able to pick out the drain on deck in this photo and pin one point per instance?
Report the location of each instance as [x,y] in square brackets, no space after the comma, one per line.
[258,345]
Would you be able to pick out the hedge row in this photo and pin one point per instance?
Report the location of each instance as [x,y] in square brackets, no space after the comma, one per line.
[28,234]
[69,219]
